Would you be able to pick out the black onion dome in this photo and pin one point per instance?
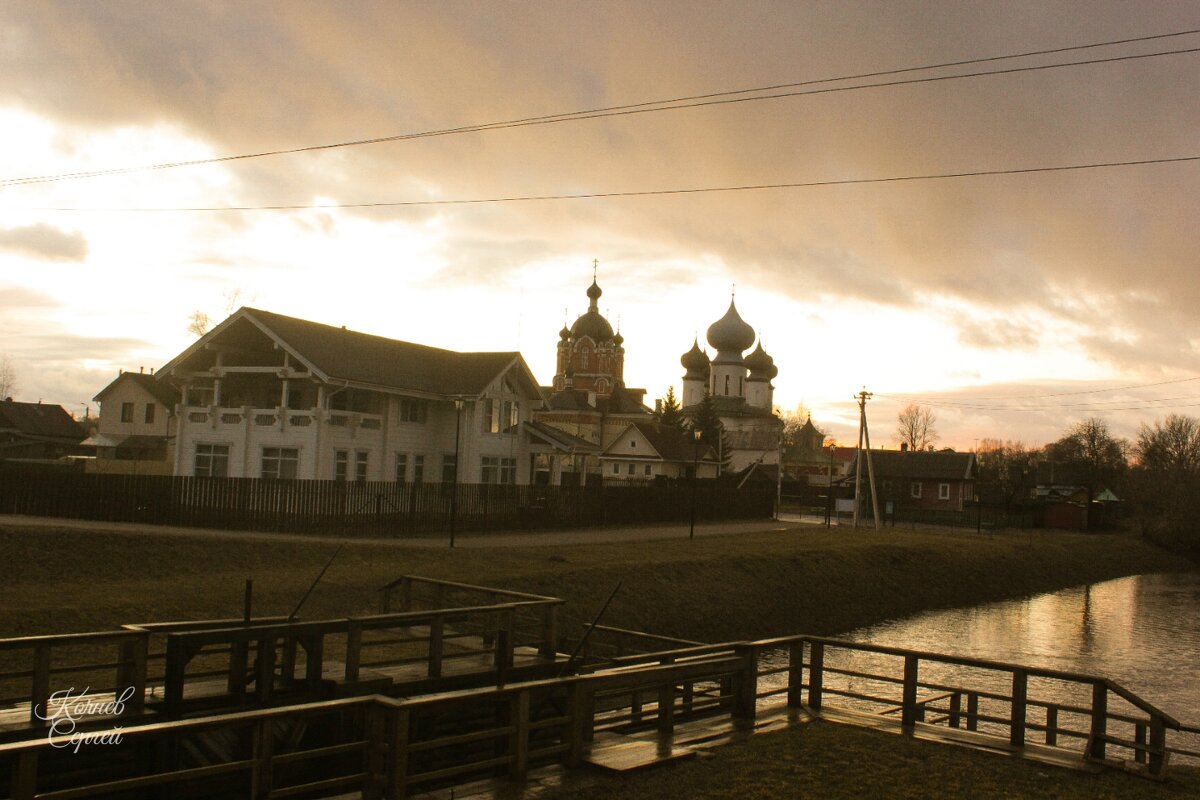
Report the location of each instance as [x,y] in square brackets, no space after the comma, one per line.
[730,334]
[594,291]
[618,340]
[565,333]
[694,360]
[592,325]
[762,366]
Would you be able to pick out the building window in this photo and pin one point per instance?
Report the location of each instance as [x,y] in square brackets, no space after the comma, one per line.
[418,469]
[360,466]
[616,469]
[280,463]
[726,385]
[512,414]
[632,468]
[449,468]
[633,442]
[413,410]
[498,470]
[126,412]
[341,463]
[401,467]
[149,413]
[943,491]
[647,469]
[491,416]
[914,489]
[212,460]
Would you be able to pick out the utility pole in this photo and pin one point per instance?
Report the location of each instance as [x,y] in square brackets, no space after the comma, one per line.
[864,436]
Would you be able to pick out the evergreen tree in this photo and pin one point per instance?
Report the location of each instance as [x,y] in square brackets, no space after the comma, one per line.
[669,414]
[712,432]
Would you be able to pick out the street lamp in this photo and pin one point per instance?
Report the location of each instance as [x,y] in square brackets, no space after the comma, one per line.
[829,489]
[458,407]
[695,478]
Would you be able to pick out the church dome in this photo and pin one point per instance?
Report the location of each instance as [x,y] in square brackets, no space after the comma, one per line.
[592,325]
[565,333]
[695,361]
[761,365]
[730,334]
[618,340]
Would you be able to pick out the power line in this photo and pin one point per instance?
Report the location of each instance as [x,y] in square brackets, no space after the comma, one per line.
[633,193]
[953,404]
[1060,394]
[692,101]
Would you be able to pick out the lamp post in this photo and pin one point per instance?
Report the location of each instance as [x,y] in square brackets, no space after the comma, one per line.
[695,478]
[458,407]
[829,490]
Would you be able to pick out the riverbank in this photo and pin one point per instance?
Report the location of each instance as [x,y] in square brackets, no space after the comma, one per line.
[715,588]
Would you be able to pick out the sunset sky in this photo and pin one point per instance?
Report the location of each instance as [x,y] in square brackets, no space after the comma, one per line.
[1013,304]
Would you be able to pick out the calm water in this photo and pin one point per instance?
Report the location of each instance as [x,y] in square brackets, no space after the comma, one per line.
[1142,631]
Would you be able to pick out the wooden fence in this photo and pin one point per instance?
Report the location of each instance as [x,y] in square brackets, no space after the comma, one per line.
[386,747]
[372,508]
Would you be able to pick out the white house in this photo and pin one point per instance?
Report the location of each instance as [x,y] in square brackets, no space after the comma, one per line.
[136,431]
[645,451]
[270,396]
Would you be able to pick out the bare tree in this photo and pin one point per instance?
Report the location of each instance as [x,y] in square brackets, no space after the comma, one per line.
[8,377]
[198,323]
[915,427]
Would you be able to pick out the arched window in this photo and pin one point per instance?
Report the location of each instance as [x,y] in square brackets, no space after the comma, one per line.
[726,385]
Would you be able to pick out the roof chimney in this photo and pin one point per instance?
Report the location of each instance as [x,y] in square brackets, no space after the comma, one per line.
[904,447]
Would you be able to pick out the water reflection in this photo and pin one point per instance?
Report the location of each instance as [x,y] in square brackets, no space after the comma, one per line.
[1142,631]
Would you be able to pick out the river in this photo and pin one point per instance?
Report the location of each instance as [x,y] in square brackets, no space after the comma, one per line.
[1142,631]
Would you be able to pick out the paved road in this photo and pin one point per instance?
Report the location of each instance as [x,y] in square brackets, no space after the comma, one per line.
[504,539]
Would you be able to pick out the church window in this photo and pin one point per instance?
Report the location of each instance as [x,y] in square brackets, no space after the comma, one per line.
[583,358]
[726,385]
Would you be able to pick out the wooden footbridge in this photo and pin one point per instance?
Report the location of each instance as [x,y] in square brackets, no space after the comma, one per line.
[453,683]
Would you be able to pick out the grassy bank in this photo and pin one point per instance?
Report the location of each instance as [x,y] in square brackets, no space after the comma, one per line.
[715,588]
[836,762]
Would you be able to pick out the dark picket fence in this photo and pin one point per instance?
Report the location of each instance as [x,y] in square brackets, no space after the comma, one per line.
[373,507]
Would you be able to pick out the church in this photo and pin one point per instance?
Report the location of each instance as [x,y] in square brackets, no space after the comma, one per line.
[740,388]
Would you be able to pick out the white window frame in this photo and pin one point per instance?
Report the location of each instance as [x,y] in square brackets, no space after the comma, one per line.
[284,460]
[211,458]
[914,490]
[943,491]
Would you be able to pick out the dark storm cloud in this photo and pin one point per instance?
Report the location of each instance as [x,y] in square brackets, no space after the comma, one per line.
[248,77]
[44,242]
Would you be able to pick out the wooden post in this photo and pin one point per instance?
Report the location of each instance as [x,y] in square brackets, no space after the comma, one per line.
[398,760]
[131,674]
[666,700]
[175,675]
[795,674]
[1052,725]
[287,659]
[745,686]
[549,644]
[353,649]
[955,718]
[260,773]
[265,674]
[24,779]
[1020,692]
[1139,737]
[816,669]
[972,711]
[505,640]
[579,720]
[908,703]
[519,750]
[39,695]
[1158,747]
[1099,728]
[436,626]
[375,779]
[314,660]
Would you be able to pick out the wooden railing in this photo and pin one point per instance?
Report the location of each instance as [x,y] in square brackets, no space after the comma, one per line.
[1024,705]
[535,618]
[385,747]
[379,746]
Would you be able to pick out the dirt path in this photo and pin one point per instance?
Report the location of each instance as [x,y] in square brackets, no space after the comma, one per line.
[468,539]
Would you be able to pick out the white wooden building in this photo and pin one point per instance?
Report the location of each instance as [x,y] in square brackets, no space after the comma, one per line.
[265,395]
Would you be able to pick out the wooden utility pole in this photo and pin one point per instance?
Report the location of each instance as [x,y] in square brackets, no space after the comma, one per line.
[864,436]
